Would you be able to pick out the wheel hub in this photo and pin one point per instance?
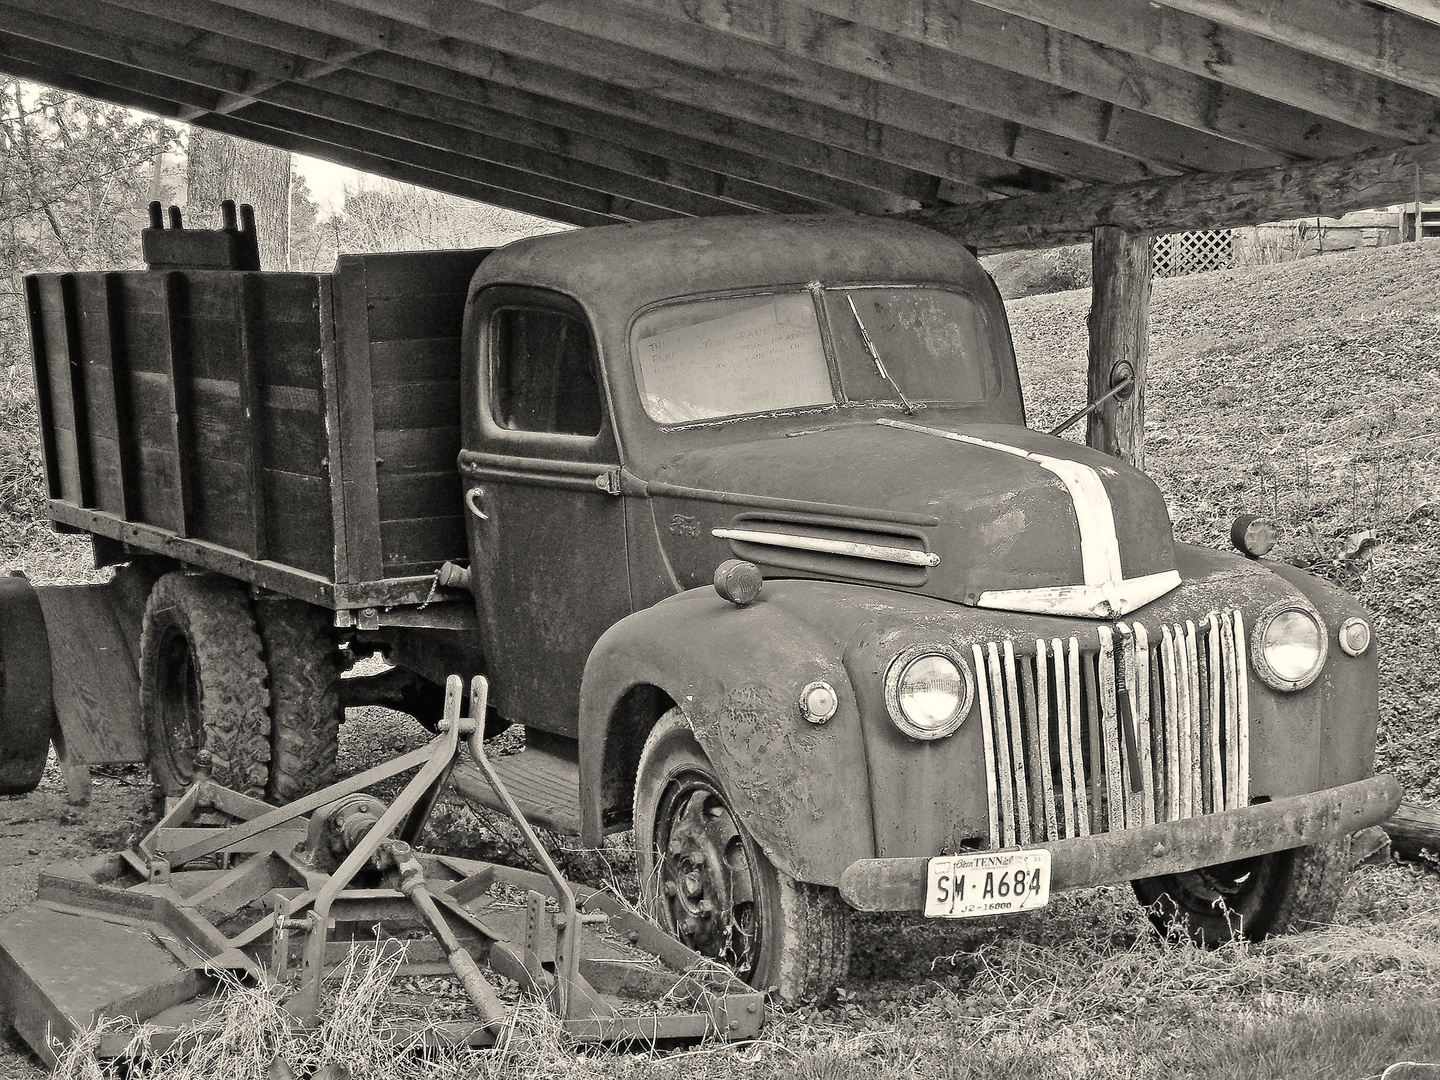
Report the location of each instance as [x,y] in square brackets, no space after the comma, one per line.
[705,878]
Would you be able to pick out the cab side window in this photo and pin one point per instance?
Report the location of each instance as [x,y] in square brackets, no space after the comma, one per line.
[545,372]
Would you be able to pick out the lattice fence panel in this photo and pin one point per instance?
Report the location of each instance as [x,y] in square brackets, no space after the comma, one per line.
[1178,254]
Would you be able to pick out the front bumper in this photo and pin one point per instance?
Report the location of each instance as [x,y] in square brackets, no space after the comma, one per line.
[1169,847]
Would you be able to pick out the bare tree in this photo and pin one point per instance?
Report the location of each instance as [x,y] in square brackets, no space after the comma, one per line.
[221,167]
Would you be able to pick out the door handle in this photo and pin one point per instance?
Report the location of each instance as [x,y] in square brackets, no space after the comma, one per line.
[472,501]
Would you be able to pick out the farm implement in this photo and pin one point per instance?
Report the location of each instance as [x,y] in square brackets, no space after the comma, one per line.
[227,887]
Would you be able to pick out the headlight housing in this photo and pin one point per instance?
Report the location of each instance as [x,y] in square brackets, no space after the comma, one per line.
[928,690]
[1289,646]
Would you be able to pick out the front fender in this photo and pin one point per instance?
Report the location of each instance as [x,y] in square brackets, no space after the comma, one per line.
[801,789]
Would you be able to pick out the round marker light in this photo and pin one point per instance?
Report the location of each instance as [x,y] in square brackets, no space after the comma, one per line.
[1253,535]
[1290,647]
[928,690]
[818,702]
[1354,636]
[738,581]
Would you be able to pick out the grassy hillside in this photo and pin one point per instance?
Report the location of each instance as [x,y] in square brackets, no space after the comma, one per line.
[1310,392]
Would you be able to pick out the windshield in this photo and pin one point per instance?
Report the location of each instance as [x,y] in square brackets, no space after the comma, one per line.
[737,356]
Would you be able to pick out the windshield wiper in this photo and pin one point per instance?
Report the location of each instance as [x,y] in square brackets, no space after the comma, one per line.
[910,406]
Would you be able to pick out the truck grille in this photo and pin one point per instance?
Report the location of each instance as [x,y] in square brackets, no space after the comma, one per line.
[1152,726]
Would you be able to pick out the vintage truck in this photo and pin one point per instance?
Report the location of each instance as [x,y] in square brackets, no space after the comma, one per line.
[743,521]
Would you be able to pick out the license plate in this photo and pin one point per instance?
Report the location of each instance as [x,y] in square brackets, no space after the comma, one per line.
[969,886]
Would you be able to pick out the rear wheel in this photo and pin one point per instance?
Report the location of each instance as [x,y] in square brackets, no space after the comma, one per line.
[202,685]
[711,886]
[303,662]
[1250,898]
[27,712]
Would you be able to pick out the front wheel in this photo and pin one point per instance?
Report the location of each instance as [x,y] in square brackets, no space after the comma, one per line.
[711,886]
[1250,898]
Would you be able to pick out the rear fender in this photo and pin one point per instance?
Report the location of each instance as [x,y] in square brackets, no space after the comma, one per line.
[801,789]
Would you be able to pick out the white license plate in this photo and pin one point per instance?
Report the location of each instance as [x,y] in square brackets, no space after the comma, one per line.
[969,886]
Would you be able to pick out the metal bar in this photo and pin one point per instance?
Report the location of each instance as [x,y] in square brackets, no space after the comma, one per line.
[1017,746]
[1082,815]
[440,752]
[1232,715]
[1062,726]
[1040,709]
[1115,788]
[300,807]
[1003,770]
[1192,704]
[1214,749]
[1169,847]
[982,694]
[1097,750]
[1242,706]
[1140,696]
[1177,768]
[874,552]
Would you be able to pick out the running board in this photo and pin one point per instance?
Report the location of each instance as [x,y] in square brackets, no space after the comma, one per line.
[546,785]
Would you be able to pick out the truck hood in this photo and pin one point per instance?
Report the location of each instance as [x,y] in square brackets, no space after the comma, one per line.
[988,515]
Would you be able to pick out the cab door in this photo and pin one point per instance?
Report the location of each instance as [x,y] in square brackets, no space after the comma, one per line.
[546,536]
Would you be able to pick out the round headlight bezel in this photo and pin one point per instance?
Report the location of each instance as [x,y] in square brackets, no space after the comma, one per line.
[1258,644]
[894,675]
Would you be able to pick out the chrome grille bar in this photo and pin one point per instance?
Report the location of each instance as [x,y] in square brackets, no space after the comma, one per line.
[1167,719]
[982,694]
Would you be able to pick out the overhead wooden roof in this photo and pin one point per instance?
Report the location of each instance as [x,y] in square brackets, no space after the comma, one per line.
[1008,122]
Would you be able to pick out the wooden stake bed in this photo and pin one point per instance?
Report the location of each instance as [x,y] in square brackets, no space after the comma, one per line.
[295,431]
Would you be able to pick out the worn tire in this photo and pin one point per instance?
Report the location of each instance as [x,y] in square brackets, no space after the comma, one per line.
[27,711]
[803,930]
[202,685]
[1250,898]
[303,661]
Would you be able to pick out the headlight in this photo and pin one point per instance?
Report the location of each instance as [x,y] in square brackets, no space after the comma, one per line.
[928,690]
[1289,647]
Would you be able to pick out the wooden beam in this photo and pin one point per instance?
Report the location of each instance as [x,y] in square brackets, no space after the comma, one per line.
[1132,82]
[1414,829]
[81,74]
[1197,201]
[864,118]
[1119,324]
[810,47]
[1236,58]
[1364,36]
[409,88]
[441,147]
[532,70]
[917,128]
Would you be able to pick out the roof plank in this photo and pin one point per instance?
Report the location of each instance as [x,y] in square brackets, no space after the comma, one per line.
[1134,82]
[837,56]
[439,147]
[1391,44]
[423,89]
[972,147]
[1195,201]
[533,74]
[1240,59]
[79,74]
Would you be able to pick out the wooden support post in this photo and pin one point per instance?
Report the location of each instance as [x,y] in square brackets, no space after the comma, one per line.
[1119,324]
